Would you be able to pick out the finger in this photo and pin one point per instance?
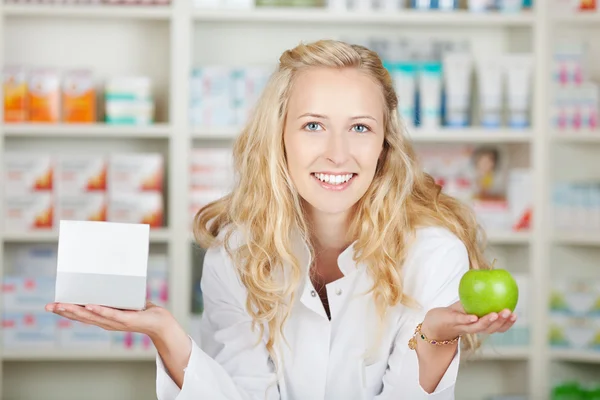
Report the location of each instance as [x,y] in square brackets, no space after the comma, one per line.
[481,325]
[457,307]
[79,313]
[119,316]
[503,316]
[508,323]
[464,319]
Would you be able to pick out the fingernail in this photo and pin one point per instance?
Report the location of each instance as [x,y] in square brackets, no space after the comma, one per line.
[513,317]
[60,309]
[89,308]
[505,314]
[473,318]
[493,317]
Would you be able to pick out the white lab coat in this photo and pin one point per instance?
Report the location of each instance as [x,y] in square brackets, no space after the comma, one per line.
[323,359]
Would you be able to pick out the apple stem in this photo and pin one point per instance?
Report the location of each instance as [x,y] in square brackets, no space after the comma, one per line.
[493,264]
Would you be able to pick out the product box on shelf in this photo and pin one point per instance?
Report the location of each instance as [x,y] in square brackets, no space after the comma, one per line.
[82,207]
[223,95]
[81,173]
[79,97]
[576,206]
[575,314]
[129,101]
[140,207]
[15,83]
[135,172]
[27,293]
[28,211]
[28,172]
[73,335]
[29,330]
[44,95]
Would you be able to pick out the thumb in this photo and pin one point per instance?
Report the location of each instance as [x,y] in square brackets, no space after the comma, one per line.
[460,315]
[457,307]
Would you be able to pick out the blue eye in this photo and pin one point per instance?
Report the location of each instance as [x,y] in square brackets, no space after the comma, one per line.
[312,126]
[360,128]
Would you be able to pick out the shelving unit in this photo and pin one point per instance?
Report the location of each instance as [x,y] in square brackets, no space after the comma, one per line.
[166,43]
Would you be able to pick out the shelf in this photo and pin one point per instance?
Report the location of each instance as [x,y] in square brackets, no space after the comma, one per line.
[78,355]
[85,130]
[578,238]
[577,18]
[580,356]
[217,132]
[489,353]
[401,18]
[471,135]
[508,237]
[89,11]
[156,236]
[443,135]
[578,137]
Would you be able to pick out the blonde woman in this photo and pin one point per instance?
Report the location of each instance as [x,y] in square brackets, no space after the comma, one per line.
[332,269]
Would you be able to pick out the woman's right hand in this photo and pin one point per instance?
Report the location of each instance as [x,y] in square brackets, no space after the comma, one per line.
[151,321]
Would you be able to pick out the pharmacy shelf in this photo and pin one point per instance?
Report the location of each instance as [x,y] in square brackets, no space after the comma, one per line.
[578,18]
[77,355]
[577,238]
[86,131]
[508,237]
[499,353]
[401,18]
[471,135]
[442,135]
[88,11]
[578,137]
[156,236]
[578,356]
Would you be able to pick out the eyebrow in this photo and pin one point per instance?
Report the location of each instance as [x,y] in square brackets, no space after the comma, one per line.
[312,115]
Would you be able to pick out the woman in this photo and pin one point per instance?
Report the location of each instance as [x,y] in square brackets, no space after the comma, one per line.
[332,268]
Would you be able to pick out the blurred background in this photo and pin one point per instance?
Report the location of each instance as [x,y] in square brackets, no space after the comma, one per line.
[125,110]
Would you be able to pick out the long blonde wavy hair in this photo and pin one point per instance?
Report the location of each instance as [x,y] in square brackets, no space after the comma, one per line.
[266,207]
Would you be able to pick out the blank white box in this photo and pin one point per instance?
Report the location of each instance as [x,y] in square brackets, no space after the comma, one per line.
[103,263]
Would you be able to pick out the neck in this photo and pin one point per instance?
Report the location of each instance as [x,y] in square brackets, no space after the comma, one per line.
[330,231]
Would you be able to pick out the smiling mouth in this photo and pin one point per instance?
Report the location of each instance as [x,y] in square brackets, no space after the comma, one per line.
[334,179]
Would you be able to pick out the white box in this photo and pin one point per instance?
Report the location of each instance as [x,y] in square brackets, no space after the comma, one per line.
[82,207]
[135,172]
[27,172]
[81,173]
[102,263]
[137,208]
[27,212]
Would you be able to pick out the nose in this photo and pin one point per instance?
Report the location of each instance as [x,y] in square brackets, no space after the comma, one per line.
[337,150]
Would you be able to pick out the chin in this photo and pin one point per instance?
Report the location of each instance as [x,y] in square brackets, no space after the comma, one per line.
[331,206]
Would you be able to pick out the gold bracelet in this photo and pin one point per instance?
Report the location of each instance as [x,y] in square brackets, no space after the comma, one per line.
[412,343]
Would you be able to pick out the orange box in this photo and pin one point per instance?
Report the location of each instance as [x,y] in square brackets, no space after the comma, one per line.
[15,94]
[44,96]
[79,97]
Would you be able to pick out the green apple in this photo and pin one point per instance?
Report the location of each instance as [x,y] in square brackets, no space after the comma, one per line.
[485,291]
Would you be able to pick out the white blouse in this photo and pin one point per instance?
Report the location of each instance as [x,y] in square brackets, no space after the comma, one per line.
[323,359]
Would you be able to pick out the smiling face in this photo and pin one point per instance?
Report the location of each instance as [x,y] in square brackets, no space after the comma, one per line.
[333,136]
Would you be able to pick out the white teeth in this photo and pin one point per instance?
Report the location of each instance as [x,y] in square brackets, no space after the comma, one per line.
[333,179]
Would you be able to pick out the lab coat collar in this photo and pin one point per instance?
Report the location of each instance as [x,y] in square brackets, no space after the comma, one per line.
[345,260]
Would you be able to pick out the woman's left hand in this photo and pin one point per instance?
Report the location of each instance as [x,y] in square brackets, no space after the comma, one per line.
[446,323]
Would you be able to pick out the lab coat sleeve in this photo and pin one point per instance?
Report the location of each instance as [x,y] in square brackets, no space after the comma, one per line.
[432,276]
[231,363]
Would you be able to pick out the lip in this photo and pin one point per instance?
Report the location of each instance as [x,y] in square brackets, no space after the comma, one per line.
[334,188]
